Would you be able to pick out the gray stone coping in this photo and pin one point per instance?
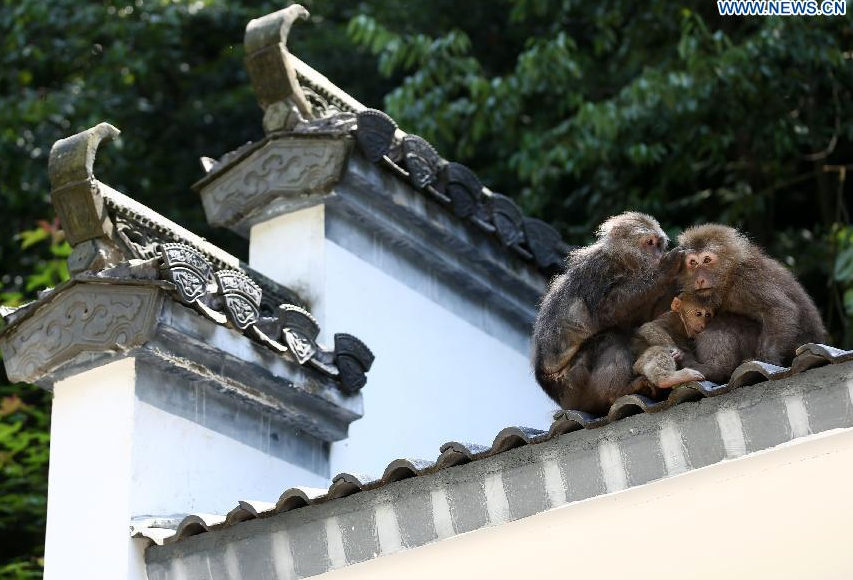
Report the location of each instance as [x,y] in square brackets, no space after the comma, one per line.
[89,321]
[524,472]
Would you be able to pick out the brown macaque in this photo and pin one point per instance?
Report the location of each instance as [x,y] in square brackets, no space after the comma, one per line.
[660,345]
[766,310]
[581,337]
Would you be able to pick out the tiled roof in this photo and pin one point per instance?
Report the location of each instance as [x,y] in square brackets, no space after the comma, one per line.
[411,158]
[458,189]
[455,453]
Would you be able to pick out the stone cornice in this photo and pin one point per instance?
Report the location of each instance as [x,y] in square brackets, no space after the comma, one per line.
[88,321]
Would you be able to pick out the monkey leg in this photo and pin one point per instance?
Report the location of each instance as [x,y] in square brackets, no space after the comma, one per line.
[567,386]
[657,364]
[610,373]
[680,377]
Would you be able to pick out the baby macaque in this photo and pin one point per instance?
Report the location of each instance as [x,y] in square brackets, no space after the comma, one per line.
[664,343]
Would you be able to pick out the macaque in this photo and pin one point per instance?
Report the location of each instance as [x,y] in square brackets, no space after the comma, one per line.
[581,337]
[660,345]
[736,278]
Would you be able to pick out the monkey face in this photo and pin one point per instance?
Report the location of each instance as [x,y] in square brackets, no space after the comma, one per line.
[694,315]
[695,319]
[634,235]
[700,271]
[653,244]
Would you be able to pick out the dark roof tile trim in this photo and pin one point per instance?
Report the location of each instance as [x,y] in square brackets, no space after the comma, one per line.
[454,453]
[457,188]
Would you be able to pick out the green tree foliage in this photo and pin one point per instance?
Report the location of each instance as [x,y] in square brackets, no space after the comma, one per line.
[660,106]
[24,425]
[168,73]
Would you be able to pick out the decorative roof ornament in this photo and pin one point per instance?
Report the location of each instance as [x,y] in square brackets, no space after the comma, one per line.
[242,298]
[375,134]
[76,195]
[299,330]
[422,161]
[464,189]
[117,240]
[234,299]
[508,220]
[187,269]
[543,241]
[353,359]
[271,69]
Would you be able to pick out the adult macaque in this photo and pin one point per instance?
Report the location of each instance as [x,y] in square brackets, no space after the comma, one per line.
[581,351]
[736,277]
[660,345]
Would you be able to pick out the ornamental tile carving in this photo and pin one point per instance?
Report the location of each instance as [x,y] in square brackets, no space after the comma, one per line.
[187,269]
[422,161]
[242,298]
[235,300]
[300,331]
[282,168]
[82,318]
[374,134]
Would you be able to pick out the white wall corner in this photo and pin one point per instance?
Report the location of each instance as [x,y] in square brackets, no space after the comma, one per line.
[89,482]
[290,249]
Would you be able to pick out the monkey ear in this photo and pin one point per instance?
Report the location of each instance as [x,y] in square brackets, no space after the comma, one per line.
[676,304]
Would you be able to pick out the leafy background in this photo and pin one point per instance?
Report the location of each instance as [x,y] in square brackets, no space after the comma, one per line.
[577,110]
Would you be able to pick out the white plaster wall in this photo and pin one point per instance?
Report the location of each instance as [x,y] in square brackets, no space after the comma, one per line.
[289,249]
[782,514]
[182,467]
[114,458]
[89,493]
[436,377]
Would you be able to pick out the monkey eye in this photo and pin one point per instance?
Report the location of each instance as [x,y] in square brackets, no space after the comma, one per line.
[650,242]
[693,263]
[706,260]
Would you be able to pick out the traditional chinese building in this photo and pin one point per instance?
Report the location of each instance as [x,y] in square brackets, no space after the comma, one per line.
[312,409]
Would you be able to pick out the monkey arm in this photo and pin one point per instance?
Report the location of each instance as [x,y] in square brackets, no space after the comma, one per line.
[778,333]
[624,301]
[561,327]
[634,294]
[655,335]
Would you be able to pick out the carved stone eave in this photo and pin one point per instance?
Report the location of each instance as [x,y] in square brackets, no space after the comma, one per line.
[371,198]
[280,174]
[374,200]
[86,322]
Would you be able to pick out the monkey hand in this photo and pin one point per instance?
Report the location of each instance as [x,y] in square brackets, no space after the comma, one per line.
[671,262]
[677,355]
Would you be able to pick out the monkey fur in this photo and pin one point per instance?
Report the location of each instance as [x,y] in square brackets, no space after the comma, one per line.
[581,337]
[765,307]
[660,345]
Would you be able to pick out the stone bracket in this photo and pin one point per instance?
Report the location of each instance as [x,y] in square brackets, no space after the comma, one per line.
[286,171]
[81,319]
